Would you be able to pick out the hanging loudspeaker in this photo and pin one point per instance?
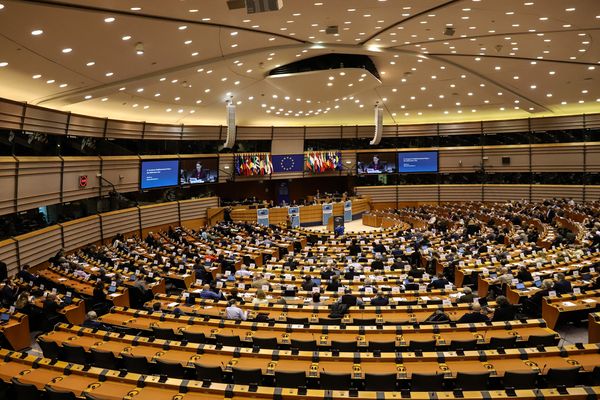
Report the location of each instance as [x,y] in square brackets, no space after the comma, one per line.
[378,126]
[230,140]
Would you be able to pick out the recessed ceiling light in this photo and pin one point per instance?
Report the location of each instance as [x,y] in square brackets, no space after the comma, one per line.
[67,50]
[109,74]
[109,20]
[37,32]
[91,64]
[234,33]
[135,8]
[38,76]
[1,6]
[182,27]
[63,85]
[3,64]
[126,37]
[89,96]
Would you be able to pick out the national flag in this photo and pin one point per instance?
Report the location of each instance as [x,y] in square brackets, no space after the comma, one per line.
[288,163]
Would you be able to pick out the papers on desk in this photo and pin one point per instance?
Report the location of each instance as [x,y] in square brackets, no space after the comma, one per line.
[94,269]
[173,304]
[399,298]
[425,298]
[114,294]
[62,279]
[185,275]
[588,300]
[568,303]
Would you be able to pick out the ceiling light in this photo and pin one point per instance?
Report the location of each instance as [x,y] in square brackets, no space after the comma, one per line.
[109,20]
[38,76]
[139,48]
[109,74]
[3,64]
[135,8]
[50,81]
[63,85]
[37,32]
[67,50]
[127,37]
[182,27]
[89,96]
[91,64]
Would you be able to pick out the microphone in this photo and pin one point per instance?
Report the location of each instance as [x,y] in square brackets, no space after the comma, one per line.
[543,370]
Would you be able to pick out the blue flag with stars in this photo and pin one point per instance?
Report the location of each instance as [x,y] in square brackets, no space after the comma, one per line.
[288,163]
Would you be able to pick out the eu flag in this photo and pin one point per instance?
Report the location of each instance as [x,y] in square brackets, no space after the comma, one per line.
[288,163]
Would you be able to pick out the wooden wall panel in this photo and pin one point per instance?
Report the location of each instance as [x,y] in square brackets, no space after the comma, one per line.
[122,171]
[194,210]
[124,129]
[288,133]
[121,221]
[164,132]
[557,123]
[226,167]
[200,132]
[592,158]
[417,193]
[160,214]
[557,158]
[8,254]
[459,159]
[82,125]
[506,193]
[8,176]
[418,130]
[458,193]
[542,192]
[592,193]
[11,114]
[254,133]
[74,167]
[45,120]
[81,232]
[38,246]
[378,194]
[519,158]
[463,128]
[328,132]
[39,182]
[509,126]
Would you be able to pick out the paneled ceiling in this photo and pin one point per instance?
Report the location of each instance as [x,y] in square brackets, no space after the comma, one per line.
[178,61]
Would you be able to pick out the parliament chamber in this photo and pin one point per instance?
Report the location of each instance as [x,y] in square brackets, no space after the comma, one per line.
[292,199]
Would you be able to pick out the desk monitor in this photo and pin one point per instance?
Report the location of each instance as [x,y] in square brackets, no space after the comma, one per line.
[112,289]
[4,318]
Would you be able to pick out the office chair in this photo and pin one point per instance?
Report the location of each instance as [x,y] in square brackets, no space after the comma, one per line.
[344,346]
[330,321]
[74,354]
[427,382]
[54,394]
[417,345]
[294,379]
[382,346]
[170,369]
[24,391]
[104,359]
[335,381]
[164,333]
[463,344]
[380,382]
[503,342]
[194,337]
[267,343]
[542,340]
[49,348]
[472,381]
[226,340]
[562,376]
[296,321]
[208,373]
[137,364]
[520,380]
[242,376]
[304,345]
[364,321]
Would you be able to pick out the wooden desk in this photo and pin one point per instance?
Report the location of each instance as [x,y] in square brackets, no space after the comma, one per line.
[553,308]
[443,334]
[594,328]
[16,331]
[115,387]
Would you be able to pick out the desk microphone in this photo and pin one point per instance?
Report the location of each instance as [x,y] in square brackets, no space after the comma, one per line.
[543,370]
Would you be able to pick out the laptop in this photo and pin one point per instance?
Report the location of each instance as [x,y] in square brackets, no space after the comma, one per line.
[520,286]
[67,300]
[112,289]
[538,284]
[4,318]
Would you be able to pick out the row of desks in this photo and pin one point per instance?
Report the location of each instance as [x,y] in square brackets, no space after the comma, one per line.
[113,385]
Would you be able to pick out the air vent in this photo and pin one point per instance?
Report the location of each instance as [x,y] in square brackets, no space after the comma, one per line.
[332,30]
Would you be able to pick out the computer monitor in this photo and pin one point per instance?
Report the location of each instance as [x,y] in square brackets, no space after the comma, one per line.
[4,318]
[112,289]
[520,286]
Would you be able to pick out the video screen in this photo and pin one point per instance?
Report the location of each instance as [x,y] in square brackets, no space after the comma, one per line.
[376,163]
[418,161]
[160,173]
[199,170]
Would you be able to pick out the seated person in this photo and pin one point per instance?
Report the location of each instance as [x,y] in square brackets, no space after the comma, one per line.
[234,312]
[260,299]
[562,286]
[380,299]
[259,281]
[474,316]
[243,271]
[316,300]
[439,283]
[467,296]
[349,299]
[334,284]
[91,321]
[410,284]
[308,283]
[524,275]
[504,310]
[25,275]
[234,295]
[439,316]
[207,293]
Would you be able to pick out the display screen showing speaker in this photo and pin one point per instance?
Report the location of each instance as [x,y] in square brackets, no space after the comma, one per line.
[376,163]
[199,170]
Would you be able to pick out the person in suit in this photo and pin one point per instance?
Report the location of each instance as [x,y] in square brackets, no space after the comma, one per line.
[8,293]
[334,284]
[354,248]
[308,283]
[562,286]
[524,275]
[378,247]
[411,284]
[198,172]
[474,316]
[467,296]
[376,164]
[350,300]
[380,299]
[534,303]
[439,283]
[504,310]
[92,322]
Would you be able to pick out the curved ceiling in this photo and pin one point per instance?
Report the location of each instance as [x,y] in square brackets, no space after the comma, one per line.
[499,59]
